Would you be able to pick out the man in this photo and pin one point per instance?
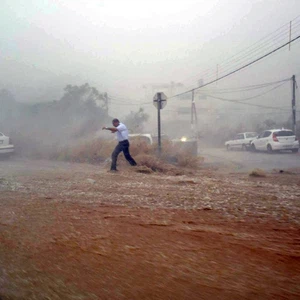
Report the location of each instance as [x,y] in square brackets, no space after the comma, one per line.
[123,145]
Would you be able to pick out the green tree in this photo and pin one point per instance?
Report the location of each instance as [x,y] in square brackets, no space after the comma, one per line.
[84,95]
[135,120]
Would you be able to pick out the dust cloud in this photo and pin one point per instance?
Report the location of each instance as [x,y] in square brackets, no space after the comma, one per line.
[68,68]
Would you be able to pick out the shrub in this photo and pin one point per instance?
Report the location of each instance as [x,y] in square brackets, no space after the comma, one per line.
[146,155]
[258,173]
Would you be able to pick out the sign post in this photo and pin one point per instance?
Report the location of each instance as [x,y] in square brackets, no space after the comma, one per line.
[159,101]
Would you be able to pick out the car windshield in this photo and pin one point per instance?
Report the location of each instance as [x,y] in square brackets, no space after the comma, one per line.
[284,133]
[251,134]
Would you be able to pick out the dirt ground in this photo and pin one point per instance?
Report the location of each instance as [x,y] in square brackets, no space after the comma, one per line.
[74,231]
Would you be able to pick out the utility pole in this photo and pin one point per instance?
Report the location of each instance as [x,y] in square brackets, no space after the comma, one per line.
[294,103]
[158,122]
[159,101]
[192,112]
[194,119]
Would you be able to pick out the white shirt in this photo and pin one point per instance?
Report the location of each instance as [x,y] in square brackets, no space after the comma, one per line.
[122,133]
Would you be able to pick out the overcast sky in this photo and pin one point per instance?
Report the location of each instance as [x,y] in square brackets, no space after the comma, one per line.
[118,46]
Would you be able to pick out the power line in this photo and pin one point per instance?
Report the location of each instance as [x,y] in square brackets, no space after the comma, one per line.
[236,70]
[249,113]
[245,88]
[249,98]
[250,104]
[235,63]
[251,55]
[127,101]
[249,50]
[266,38]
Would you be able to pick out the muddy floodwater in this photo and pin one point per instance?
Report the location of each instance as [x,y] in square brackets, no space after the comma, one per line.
[74,231]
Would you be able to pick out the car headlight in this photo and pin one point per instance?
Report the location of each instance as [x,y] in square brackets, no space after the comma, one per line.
[183,139]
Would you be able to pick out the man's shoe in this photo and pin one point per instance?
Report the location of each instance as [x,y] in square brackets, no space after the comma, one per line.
[113,171]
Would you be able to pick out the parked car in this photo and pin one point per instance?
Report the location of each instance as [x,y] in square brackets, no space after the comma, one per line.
[186,143]
[163,137]
[5,146]
[146,137]
[241,141]
[276,140]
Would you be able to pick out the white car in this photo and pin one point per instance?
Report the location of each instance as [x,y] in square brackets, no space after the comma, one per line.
[5,146]
[241,141]
[276,140]
[146,137]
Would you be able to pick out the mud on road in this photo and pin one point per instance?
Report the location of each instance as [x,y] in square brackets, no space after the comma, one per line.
[74,231]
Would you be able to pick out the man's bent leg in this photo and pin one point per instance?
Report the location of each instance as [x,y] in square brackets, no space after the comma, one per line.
[114,157]
[127,154]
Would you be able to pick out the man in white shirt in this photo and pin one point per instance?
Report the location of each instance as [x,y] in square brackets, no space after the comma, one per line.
[123,145]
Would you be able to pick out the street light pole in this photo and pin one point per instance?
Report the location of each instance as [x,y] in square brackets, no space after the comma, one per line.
[158,122]
[294,103]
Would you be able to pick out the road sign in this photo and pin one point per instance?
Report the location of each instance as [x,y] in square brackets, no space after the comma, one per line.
[159,101]
[160,98]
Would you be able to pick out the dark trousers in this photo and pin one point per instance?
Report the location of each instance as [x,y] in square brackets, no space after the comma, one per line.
[122,146]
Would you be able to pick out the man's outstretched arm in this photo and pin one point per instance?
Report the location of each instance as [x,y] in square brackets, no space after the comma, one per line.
[112,129]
